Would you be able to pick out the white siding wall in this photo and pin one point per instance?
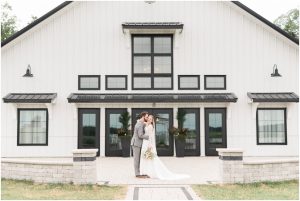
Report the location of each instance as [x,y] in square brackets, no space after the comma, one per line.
[87,38]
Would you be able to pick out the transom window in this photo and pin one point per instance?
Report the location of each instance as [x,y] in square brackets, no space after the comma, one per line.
[152,62]
[88,82]
[216,82]
[186,82]
[271,126]
[116,82]
[32,127]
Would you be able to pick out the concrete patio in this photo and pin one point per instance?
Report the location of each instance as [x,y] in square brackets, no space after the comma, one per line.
[119,170]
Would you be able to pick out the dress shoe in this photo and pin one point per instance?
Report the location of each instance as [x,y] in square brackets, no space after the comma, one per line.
[140,176]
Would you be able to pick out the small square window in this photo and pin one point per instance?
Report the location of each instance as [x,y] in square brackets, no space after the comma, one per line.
[186,82]
[88,82]
[116,82]
[215,82]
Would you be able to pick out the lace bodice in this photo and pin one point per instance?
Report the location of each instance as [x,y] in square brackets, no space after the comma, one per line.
[149,130]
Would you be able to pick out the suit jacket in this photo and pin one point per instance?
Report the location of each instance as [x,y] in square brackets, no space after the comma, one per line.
[138,135]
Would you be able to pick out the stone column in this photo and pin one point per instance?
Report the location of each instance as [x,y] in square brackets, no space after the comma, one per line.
[231,165]
[84,166]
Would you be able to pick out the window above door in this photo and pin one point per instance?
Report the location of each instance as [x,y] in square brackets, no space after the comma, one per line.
[152,62]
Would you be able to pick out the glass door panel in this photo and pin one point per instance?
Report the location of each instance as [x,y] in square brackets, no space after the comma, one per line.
[113,145]
[163,122]
[89,129]
[192,121]
[215,130]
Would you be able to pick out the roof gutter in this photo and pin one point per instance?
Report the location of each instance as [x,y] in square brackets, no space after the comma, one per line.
[39,20]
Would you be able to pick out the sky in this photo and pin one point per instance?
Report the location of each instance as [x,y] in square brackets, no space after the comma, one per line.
[24,9]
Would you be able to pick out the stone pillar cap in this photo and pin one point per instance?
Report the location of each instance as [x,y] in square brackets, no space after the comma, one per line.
[84,151]
[230,150]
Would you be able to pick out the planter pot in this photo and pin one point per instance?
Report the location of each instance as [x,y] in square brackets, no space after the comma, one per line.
[125,141]
[180,146]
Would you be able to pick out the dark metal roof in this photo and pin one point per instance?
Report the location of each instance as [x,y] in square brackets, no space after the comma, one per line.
[274,97]
[120,98]
[239,4]
[29,97]
[152,25]
[267,22]
[35,22]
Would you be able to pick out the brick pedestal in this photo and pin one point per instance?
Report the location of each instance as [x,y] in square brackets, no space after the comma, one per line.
[231,165]
[84,166]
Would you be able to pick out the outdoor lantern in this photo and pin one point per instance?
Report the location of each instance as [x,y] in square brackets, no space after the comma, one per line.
[28,72]
[275,74]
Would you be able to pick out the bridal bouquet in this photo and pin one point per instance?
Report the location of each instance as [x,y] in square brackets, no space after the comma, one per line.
[148,154]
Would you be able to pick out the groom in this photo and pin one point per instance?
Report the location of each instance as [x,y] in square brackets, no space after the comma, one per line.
[136,142]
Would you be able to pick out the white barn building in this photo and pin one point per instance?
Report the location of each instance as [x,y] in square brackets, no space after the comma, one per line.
[68,76]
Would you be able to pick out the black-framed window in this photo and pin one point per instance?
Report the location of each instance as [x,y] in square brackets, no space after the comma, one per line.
[215,82]
[116,82]
[32,127]
[271,126]
[186,82]
[88,82]
[152,62]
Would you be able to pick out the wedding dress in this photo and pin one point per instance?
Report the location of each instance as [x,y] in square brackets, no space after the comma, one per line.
[154,168]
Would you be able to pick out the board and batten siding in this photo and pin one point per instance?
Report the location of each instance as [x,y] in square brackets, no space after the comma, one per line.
[87,38]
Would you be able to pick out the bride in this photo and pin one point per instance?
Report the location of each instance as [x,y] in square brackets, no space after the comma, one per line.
[154,168]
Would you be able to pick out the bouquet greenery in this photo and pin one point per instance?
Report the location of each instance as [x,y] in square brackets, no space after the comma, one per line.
[148,154]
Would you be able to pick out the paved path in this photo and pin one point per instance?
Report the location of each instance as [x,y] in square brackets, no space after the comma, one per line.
[116,170]
[161,192]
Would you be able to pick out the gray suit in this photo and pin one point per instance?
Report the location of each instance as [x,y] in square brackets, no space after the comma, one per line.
[136,144]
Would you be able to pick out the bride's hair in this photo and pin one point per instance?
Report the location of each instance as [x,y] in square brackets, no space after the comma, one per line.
[153,124]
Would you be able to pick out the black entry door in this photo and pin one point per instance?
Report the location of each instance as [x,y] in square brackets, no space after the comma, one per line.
[192,121]
[163,122]
[215,130]
[113,146]
[89,129]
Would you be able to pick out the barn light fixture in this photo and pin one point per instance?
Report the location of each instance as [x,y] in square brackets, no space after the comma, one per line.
[275,73]
[149,2]
[28,72]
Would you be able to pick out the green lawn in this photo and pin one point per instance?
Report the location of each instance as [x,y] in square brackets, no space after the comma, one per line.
[27,190]
[287,190]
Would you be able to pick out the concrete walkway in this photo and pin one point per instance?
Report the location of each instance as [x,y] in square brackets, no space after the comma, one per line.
[117,170]
[203,170]
[161,192]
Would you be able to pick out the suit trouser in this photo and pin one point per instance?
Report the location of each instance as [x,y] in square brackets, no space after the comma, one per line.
[136,157]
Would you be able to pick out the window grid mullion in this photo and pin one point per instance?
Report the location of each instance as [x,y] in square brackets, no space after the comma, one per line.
[152,62]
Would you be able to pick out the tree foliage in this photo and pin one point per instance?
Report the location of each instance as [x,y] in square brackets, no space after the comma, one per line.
[289,22]
[33,18]
[8,21]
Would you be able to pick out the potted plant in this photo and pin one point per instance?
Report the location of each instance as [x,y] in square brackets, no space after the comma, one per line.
[124,133]
[180,133]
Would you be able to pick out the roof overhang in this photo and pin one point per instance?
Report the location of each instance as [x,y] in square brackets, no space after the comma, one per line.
[273,97]
[152,26]
[30,98]
[151,98]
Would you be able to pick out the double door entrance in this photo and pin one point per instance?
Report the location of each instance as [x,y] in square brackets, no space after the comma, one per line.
[163,122]
[215,130]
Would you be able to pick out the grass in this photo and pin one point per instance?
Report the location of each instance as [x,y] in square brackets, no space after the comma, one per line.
[27,190]
[285,190]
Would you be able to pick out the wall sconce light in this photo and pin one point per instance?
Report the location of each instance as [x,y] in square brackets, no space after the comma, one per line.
[28,72]
[149,2]
[275,73]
